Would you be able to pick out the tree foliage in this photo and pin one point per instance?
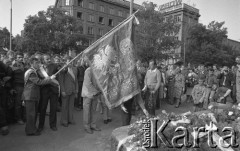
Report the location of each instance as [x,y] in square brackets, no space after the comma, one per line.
[4,37]
[154,35]
[206,44]
[51,31]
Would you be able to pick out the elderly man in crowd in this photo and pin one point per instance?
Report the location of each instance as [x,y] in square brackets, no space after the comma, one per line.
[69,91]
[90,94]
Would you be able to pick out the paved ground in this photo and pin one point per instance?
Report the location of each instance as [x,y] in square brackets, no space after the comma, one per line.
[72,138]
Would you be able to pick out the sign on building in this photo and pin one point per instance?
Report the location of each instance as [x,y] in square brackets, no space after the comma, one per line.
[170,6]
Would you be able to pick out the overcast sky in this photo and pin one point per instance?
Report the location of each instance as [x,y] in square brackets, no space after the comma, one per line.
[218,10]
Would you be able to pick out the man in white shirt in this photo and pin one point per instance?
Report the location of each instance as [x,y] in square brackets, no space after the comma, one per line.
[90,94]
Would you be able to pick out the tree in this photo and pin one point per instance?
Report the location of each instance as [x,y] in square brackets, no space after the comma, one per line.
[4,38]
[155,35]
[52,31]
[206,44]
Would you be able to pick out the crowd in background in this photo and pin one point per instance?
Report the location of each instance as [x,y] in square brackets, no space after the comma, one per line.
[200,84]
[21,73]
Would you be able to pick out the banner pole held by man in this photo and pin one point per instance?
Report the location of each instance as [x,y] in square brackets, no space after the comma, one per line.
[113,63]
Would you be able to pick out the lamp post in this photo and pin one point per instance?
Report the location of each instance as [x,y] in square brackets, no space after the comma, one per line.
[10,47]
[131,7]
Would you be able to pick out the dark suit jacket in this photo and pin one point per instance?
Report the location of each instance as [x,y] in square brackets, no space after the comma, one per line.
[67,83]
[32,85]
[228,82]
[51,69]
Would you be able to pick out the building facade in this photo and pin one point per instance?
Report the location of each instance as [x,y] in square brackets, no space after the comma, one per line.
[232,43]
[185,15]
[96,17]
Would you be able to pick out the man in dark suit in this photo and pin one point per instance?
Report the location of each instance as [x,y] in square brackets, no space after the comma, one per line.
[69,90]
[31,96]
[50,93]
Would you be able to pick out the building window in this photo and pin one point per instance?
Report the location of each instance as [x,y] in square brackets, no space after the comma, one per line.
[90,30]
[110,22]
[101,9]
[100,32]
[80,3]
[177,18]
[91,6]
[91,18]
[111,11]
[79,15]
[120,13]
[67,2]
[101,20]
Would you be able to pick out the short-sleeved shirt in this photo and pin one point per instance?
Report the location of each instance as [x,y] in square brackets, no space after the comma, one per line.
[220,93]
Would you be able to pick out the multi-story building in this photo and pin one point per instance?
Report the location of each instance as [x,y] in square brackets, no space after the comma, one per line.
[232,43]
[184,15]
[96,17]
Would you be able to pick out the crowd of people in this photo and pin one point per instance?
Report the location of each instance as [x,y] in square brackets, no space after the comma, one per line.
[29,84]
[201,84]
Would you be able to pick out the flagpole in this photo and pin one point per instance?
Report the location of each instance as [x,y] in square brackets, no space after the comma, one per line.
[131,7]
[95,42]
[10,47]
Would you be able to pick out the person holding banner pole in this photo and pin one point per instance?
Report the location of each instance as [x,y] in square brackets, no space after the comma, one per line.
[49,93]
[90,94]
[31,95]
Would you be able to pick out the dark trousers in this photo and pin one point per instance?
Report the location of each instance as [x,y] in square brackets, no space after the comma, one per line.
[79,100]
[31,116]
[18,103]
[126,117]
[53,97]
[3,121]
[67,109]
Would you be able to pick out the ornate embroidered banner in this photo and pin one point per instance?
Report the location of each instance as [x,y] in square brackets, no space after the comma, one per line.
[113,63]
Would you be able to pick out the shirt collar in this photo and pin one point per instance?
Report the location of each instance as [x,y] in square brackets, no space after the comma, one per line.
[153,70]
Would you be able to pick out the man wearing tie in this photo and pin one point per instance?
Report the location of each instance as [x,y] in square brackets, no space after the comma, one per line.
[50,93]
